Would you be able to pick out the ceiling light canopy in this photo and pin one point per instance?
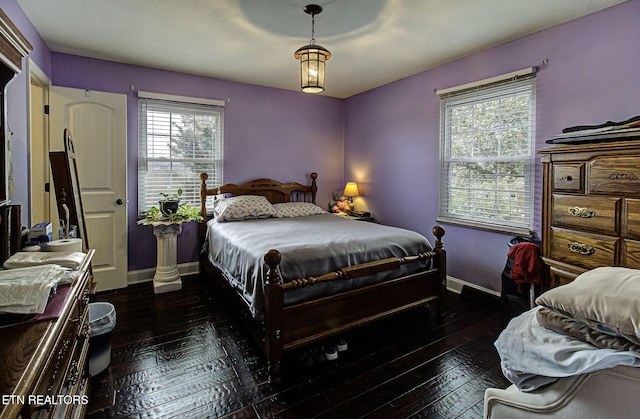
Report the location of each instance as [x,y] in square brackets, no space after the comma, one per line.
[312,58]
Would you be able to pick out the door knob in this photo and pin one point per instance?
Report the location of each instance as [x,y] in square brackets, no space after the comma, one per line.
[119,201]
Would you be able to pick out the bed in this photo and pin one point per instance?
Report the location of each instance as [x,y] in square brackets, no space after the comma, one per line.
[275,255]
[576,354]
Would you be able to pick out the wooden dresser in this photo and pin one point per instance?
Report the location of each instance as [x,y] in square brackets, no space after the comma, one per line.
[591,208]
[43,365]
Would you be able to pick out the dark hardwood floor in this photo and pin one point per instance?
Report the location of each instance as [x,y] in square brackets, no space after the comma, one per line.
[184,355]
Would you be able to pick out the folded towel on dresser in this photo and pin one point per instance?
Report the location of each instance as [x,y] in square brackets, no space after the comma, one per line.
[71,260]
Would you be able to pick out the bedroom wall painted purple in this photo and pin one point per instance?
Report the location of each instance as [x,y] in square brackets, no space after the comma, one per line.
[386,139]
[392,132]
[268,133]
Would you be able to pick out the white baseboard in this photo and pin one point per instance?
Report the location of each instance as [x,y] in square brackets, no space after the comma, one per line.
[456,284]
[146,275]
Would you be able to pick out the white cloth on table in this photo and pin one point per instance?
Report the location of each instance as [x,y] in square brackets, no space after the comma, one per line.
[27,290]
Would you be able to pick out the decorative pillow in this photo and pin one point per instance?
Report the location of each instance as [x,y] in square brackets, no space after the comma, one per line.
[243,207]
[567,326]
[297,209]
[605,299]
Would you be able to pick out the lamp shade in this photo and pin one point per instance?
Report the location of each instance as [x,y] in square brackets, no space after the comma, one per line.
[313,60]
[351,189]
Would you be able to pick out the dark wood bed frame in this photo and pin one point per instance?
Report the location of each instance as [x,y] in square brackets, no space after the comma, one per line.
[289,327]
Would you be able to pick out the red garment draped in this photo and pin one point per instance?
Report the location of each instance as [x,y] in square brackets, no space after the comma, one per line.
[527,264]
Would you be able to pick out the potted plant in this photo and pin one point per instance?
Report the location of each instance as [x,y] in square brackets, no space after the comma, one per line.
[170,209]
[169,205]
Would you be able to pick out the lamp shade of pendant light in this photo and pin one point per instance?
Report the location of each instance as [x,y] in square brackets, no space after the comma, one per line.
[313,58]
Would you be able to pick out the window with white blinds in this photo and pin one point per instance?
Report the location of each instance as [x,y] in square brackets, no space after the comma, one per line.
[487,155]
[177,141]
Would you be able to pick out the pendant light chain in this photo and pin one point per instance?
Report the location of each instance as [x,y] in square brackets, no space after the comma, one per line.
[313,29]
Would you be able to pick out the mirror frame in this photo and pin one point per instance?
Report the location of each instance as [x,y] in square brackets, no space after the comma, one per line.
[64,169]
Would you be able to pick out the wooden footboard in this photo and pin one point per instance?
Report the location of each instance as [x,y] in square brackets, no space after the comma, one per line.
[289,327]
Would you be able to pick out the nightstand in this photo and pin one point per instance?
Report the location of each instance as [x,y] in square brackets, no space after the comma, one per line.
[369,218]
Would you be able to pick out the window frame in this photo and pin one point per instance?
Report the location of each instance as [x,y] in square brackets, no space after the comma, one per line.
[176,106]
[485,91]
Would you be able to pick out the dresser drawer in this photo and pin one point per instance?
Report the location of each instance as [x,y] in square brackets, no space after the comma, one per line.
[633,219]
[584,250]
[589,213]
[66,366]
[568,177]
[559,277]
[614,176]
[633,254]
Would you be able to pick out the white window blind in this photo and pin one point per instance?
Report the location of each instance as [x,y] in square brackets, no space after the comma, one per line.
[487,155]
[177,141]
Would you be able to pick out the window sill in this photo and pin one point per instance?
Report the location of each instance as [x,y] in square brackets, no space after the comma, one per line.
[522,232]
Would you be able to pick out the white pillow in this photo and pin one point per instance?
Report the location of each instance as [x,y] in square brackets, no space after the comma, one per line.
[297,209]
[243,207]
[604,298]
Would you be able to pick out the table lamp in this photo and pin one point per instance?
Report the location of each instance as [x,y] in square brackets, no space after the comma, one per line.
[351,190]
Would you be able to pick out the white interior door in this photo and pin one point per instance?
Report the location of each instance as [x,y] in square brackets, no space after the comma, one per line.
[98,124]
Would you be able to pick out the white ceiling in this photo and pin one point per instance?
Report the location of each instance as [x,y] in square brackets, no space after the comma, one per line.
[373,42]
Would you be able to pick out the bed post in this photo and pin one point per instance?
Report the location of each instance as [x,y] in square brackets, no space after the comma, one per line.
[441,264]
[274,304]
[203,205]
[314,187]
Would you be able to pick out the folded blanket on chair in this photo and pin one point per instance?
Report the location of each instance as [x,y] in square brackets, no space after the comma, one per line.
[532,356]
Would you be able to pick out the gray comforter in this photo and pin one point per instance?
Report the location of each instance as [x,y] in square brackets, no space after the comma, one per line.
[310,246]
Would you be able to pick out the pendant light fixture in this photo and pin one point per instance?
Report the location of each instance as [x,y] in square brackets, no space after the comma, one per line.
[312,58]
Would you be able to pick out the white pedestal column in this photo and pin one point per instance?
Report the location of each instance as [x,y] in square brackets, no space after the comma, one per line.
[167,277]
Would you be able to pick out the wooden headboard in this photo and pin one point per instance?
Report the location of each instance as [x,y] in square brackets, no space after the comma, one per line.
[273,190]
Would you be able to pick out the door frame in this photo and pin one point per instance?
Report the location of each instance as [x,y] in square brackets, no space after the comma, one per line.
[38,148]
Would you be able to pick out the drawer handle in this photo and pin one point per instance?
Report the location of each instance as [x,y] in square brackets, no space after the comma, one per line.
[85,296]
[623,176]
[581,248]
[85,331]
[567,178]
[582,212]
[74,373]
[56,367]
